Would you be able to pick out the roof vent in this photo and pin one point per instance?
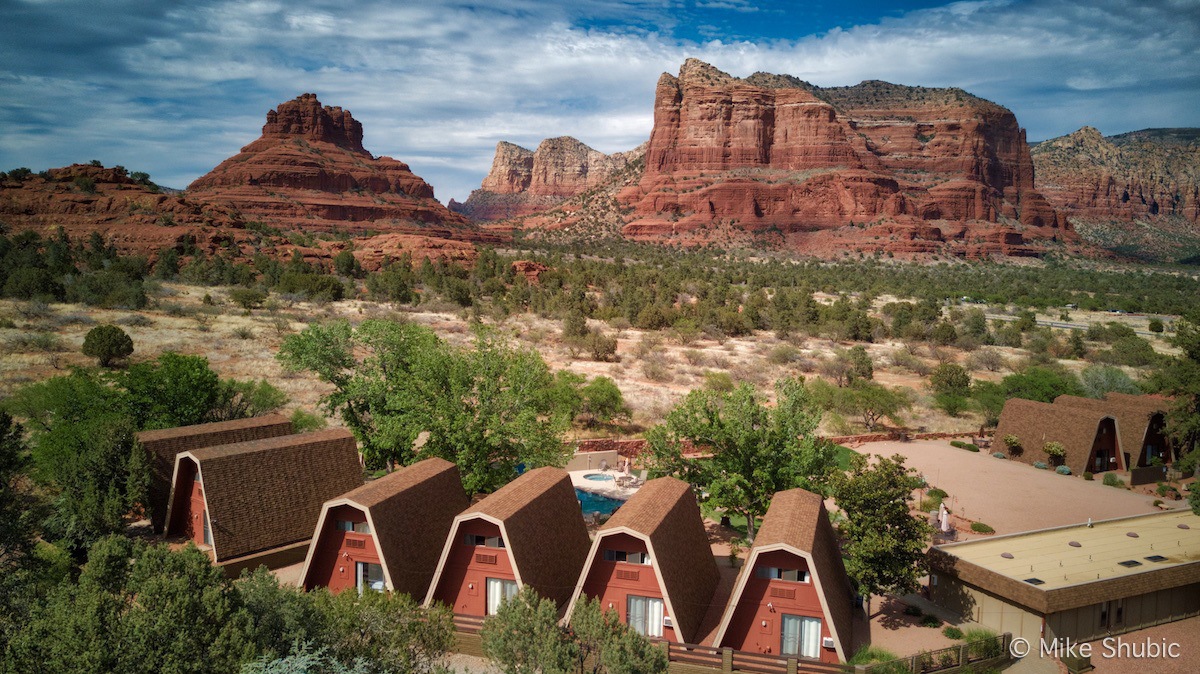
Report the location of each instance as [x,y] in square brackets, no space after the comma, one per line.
[1156,558]
[1075,544]
[1132,534]
[1006,555]
[1130,563]
[1035,581]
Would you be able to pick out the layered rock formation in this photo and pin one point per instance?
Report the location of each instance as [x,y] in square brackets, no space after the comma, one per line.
[137,217]
[310,171]
[522,182]
[774,156]
[1143,174]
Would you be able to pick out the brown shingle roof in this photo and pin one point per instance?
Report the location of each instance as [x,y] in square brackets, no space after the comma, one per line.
[268,493]
[539,515]
[164,445]
[411,512]
[797,522]
[664,511]
[1037,423]
[1133,414]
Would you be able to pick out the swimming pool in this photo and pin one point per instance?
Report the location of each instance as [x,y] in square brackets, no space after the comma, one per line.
[598,477]
[596,503]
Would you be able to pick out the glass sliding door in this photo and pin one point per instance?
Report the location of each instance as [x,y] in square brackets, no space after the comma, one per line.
[370,577]
[801,636]
[645,616]
[499,590]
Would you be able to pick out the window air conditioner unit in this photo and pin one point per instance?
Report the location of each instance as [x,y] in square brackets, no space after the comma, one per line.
[667,622]
[827,642]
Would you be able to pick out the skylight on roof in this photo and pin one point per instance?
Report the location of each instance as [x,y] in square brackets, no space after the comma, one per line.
[1130,563]
[1035,581]
[1156,558]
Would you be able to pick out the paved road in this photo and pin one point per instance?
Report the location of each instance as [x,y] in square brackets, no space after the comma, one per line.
[1060,324]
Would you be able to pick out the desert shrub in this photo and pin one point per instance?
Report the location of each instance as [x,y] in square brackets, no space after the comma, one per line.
[1087,475]
[783,354]
[721,382]
[984,643]
[243,333]
[998,455]
[693,357]
[304,421]
[913,611]
[931,621]
[316,287]
[1155,325]
[938,493]
[36,341]
[969,446]
[107,344]
[247,298]
[1111,480]
[657,370]
[1041,465]
[1063,470]
[981,528]
[135,321]
[1054,449]
[7,323]
[952,632]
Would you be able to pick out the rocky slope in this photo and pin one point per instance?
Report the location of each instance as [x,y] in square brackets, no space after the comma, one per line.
[906,169]
[310,171]
[522,182]
[1137,193]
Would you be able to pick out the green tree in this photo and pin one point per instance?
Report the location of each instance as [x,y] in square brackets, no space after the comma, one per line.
[523,637]
[388,632]
[951,384]
[885,545]
[174,390]
[872,402]
[1043,384]
[1180,378]
[1098,380]
[487,408]
[247,298]
[755,450]
[107,344]
[608,646]
[1155,325]
[602,400]
[18,528]
[860,364]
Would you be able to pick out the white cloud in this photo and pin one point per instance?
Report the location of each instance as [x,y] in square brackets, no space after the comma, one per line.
[437,85]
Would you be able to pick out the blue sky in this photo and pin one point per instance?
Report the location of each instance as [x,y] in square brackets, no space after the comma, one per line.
[173,87]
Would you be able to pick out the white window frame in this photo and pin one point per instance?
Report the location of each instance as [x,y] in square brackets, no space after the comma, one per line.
[496,592]
[363,580]
[644,615]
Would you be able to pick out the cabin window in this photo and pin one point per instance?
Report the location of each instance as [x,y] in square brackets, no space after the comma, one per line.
[486,541]
[800,636]
[499,590]
[645,616]
[776,573]
[628,557]
[356,527]
[370,577]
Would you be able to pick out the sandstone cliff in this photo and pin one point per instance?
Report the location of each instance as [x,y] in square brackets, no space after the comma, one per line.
[309,171]
[522,182]
[778,158]
[1136,193]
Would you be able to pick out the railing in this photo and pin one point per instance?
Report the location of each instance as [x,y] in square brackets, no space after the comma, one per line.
[944,659]
[729,660]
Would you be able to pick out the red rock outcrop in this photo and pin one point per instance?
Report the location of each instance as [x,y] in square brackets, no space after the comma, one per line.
[772,155]
[1138,175]
[309,171]
[532,271]
[522,182]
[138,218]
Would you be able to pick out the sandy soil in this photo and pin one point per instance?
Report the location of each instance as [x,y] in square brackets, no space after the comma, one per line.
[1011,496]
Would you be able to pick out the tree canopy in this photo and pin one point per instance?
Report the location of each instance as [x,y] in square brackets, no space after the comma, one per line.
[751,450]
[487,408]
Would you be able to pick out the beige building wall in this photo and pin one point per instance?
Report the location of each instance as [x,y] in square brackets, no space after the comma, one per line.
[972,603]
[591,460]
[1123,615]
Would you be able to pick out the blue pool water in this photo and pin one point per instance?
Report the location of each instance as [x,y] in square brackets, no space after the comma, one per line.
[595,503]
[598,477]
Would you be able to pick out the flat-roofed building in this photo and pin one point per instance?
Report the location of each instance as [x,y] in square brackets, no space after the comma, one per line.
[1079,582]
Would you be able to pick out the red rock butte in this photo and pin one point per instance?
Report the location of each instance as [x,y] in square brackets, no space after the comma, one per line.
[309,171]
[773,155]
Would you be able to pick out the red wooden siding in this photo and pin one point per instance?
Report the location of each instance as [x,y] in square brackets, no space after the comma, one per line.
[188,514]
[336,552]
[746,631]
[613,582]
[463,583]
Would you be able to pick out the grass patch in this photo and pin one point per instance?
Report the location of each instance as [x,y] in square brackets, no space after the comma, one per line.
[736,522]
[981,528]
[871,654]
[844,455]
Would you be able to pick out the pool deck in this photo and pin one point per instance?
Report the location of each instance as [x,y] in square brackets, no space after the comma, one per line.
[607,488]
